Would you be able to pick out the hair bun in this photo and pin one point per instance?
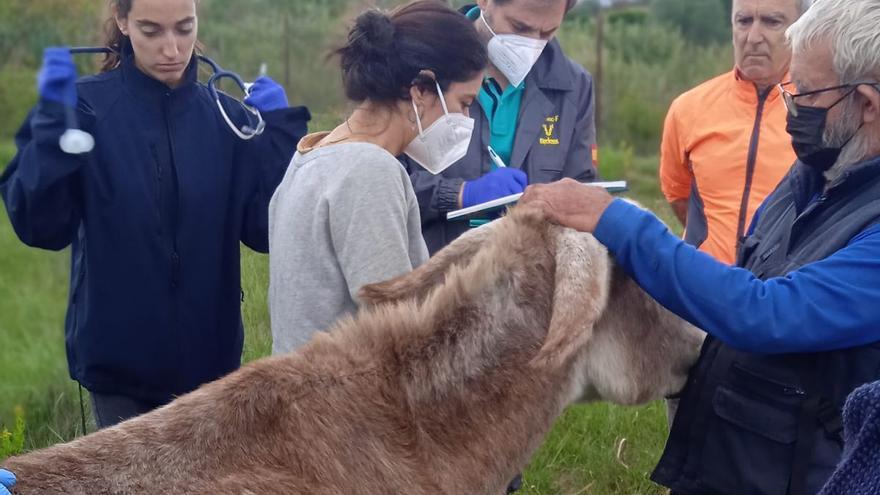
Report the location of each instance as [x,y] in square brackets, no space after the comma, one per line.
[384,51]
[373,33]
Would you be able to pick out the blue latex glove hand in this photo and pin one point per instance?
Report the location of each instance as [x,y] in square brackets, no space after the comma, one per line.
[266,95]
[56,80]
[7,480]
[496,184]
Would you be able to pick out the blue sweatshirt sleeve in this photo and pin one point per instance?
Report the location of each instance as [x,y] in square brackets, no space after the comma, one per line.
[41,186]
[826,305]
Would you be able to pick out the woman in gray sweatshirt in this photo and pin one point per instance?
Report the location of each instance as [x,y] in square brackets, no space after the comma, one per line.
[345,214]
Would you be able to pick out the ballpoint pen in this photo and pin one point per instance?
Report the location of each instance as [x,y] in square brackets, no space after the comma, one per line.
[495,158]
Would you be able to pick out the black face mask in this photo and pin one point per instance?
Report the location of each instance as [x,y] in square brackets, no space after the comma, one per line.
[807,131]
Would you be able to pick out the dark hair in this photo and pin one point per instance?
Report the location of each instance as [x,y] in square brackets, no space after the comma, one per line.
[569,4]
[113,37]
[385,53]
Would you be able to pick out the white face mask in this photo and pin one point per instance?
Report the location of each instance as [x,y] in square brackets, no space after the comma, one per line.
[445,142]
[512,54]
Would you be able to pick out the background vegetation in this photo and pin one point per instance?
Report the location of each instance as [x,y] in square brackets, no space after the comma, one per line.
[651,52]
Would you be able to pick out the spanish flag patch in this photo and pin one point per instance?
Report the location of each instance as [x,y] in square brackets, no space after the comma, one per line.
[595,155]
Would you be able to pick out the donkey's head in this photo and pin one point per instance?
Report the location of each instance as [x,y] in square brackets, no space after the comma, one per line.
[548,297]
[519,271]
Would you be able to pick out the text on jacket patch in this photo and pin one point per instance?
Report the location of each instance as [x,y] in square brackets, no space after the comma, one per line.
[549,139]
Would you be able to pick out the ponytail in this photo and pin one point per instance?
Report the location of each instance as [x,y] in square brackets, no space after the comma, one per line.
[113,37]
[114,40]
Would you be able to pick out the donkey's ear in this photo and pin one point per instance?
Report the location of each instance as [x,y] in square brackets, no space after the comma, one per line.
[580,296]
[418,283]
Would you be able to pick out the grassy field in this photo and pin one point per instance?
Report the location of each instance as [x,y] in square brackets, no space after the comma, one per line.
[583,454]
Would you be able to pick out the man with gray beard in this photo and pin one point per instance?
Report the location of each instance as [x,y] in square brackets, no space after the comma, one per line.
[794,327]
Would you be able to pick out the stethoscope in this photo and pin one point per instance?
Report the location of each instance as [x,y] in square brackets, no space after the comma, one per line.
[76,141]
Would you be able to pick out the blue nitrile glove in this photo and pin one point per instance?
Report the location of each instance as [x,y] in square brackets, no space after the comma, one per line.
[496,184]
[56,80]
[7,480]
[266,95]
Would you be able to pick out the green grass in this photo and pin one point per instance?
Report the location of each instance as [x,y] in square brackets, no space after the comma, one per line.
[33,368]
[579,457]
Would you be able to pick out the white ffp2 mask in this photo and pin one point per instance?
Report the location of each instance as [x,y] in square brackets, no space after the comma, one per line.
[444,142]
[512,54]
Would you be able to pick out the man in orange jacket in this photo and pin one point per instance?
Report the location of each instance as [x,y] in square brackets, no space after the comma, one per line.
[724,142]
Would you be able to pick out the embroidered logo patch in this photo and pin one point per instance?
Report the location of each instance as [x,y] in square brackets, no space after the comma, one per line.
[550,137]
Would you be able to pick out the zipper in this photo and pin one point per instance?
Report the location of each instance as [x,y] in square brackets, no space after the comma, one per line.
[158,165]
[816,203]
[770,385]
[175,269]
[175,197]
[750,167]
[796,227]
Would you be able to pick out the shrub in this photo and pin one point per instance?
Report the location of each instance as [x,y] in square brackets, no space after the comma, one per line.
[12,442]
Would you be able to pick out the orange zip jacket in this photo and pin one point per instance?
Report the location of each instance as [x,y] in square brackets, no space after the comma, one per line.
[724,150]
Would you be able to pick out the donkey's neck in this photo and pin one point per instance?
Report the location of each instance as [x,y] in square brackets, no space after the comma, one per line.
[479,405]
[492,424]
[474,342]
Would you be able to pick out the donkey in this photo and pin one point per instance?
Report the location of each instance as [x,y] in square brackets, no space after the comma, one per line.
[445,382]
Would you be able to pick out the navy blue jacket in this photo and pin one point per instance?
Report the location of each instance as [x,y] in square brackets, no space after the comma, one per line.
[155,215]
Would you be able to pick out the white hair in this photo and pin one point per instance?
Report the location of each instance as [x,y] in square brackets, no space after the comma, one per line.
[844,132]
[851,26]
[804,5]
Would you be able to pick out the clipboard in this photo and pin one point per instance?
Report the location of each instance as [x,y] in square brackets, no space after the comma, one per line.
[500,203]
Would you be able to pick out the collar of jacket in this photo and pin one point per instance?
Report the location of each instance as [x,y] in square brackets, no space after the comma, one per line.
[747,91]
[146,87]
[808,181]
[551,71]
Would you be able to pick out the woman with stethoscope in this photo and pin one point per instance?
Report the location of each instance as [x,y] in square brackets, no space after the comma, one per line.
[345,214]
[155,206]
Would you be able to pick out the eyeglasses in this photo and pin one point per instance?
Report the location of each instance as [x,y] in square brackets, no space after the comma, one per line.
[788,97]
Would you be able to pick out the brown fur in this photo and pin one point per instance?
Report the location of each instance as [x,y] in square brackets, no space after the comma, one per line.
[446,384]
